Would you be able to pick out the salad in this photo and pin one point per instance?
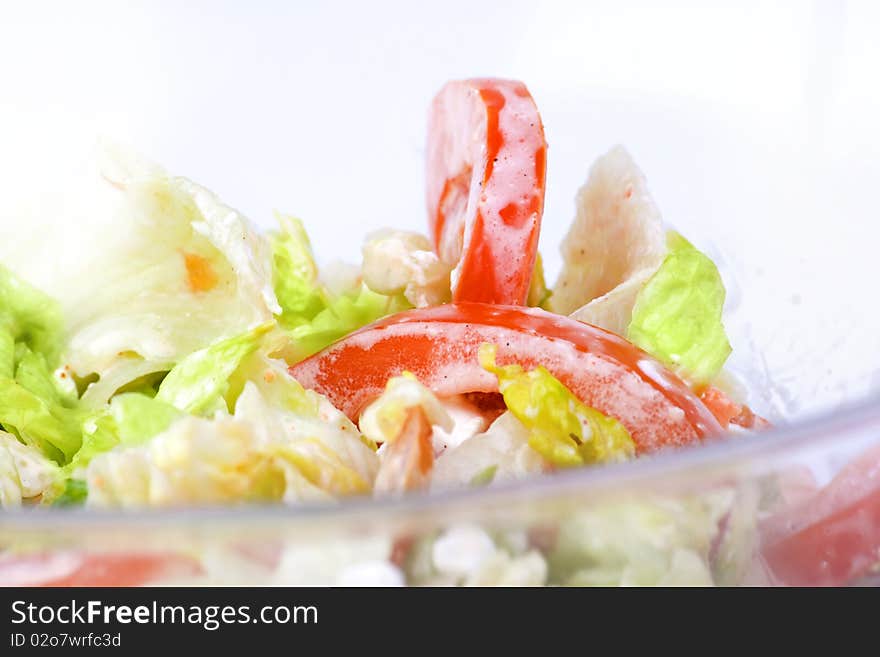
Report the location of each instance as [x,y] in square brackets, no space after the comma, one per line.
[202,362]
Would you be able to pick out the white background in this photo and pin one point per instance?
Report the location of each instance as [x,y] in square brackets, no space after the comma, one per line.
[756,124]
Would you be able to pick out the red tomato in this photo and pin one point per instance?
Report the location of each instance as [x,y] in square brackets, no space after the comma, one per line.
[439,346]
[834,536]
[110,569]
[728,412]
[485,189]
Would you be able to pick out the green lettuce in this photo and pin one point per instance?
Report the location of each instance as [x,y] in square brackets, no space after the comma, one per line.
[138,417]
[677,315]
[99,434]
[33,404]
[565,431]
[29,317]
[295,274]
[344,314]
[313,316]
[74,493]
[37,409]
[175,270]
[270,450]
[200,380]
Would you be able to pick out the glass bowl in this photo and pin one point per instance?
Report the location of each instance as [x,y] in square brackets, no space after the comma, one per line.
[765,158]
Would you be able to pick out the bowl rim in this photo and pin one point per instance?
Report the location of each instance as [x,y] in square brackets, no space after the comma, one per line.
[824,430]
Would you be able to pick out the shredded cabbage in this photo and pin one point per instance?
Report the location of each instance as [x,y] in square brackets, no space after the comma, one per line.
[177,270]
[562,429]
[200,380]
[295,274]
[662,542]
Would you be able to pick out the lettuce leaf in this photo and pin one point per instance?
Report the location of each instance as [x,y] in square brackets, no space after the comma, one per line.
[194,461]
[138,417]
[263,453]
[33,404]
[565,431]
[74,493]
[49,426]
[503,449]
[295,274]
[175,270]
[539,293]
[323,452]
[99,434]
[677,315]
[27,316]
[200,380]
[314,316]
[344,314]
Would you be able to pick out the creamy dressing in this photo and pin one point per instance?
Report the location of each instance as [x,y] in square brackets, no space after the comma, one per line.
[467,422]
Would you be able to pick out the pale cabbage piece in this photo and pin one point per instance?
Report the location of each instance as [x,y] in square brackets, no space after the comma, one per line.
[323,455]
[637,542]
[279,407]
[502,569]
[338,563]
[176,270]
[503,448]
[25,474]
[467,421]
[613,311]
[295,274]
[195,461]
[468,555]
[266,452]
[403,262]
[617,236]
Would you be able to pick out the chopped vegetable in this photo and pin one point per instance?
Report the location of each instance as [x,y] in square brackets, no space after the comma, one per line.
[677,315]
[440,346]
[614,244]
[561,428]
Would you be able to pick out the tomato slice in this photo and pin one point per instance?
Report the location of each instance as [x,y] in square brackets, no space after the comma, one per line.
[832,537]
[485,187]
[111,569]
[728,412]
[439,346]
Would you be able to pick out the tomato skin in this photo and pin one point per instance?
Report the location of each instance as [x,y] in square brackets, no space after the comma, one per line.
[728,412]
[486,173]
[723,407]
[832,537]
[831,552]
[110,569]
[439,346]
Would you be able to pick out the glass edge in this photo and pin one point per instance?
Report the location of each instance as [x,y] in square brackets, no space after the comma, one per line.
[801,435]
